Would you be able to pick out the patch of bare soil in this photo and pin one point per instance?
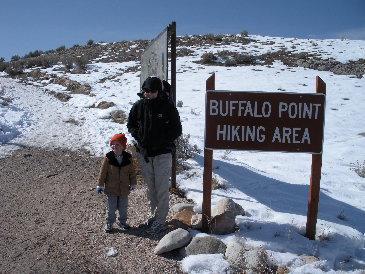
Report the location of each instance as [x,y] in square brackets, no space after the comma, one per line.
[52,219]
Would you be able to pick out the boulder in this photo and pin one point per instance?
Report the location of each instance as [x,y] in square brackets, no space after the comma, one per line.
[184,216]
[227,205]
[177,224]
[246,259]
[223,224]
[205,245]
[175,239]
[224,216]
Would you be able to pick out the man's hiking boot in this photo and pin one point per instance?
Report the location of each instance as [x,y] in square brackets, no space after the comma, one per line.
[146,224]
[124,226]
[156,228]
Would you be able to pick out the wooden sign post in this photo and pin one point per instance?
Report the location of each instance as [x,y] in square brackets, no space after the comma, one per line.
[315,180]
[207,175]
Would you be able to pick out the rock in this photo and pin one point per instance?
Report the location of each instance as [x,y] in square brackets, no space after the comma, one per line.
[282,270]
[223,224]
[111,251]
[177,224]
[105,105]
[234,250]
[196,221]
[224,216]
[181,206]
[118,116]
[246,259]
[227,205]
[184,216]
[308,259]
[205,245]
[175,239]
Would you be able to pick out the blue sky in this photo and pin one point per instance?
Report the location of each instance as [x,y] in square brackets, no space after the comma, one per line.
[29,25]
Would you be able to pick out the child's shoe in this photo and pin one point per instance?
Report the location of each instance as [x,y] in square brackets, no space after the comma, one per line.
[124,226]
[108,228]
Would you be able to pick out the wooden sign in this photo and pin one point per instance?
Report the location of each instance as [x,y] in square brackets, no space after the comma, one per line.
[265,121]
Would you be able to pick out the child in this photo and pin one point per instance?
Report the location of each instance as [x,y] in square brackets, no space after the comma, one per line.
[116,178]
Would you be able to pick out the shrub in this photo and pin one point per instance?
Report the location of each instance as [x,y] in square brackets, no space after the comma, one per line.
[2,59]
[184,150]
[208,58]
[216,184]
[49,60]
[61,48]
[243,59]
[359,168]
[244,33]
[81,62]
[3,66]
[15,58]
[210,36]
[15,68]
[342,216]
[33,62]
[33,54]
[90,42]
[230,63]
[302,55]
[213,37]
[225,53]
[67,61]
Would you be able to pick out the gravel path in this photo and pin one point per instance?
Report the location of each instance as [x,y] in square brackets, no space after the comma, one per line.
[52,220]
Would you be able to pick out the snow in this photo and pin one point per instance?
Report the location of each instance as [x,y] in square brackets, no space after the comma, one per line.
[272,187]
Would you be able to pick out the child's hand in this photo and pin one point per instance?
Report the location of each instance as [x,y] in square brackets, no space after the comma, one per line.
[132,187]
[99,189]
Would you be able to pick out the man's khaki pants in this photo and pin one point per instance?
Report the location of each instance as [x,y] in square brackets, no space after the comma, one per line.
[156,173]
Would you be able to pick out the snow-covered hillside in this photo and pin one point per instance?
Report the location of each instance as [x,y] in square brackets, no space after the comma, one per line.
[272,187]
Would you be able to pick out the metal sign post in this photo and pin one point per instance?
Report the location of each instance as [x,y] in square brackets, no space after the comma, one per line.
[172,33]
[154,62]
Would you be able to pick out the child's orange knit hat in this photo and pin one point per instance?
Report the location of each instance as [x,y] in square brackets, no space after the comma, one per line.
[120,138]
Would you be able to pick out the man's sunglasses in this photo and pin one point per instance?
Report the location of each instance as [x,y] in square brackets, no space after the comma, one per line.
[147,90]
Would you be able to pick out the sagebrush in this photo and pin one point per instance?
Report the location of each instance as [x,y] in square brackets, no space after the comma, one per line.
[359,168]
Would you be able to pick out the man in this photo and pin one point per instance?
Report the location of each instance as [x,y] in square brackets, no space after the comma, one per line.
[154,123]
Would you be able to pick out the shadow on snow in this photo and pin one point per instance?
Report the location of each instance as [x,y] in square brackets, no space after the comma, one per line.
[284,197]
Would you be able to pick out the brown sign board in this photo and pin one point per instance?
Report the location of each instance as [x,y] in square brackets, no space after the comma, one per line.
[264,121]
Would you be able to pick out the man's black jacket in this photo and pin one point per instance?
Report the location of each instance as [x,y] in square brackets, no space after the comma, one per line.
[154,124]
